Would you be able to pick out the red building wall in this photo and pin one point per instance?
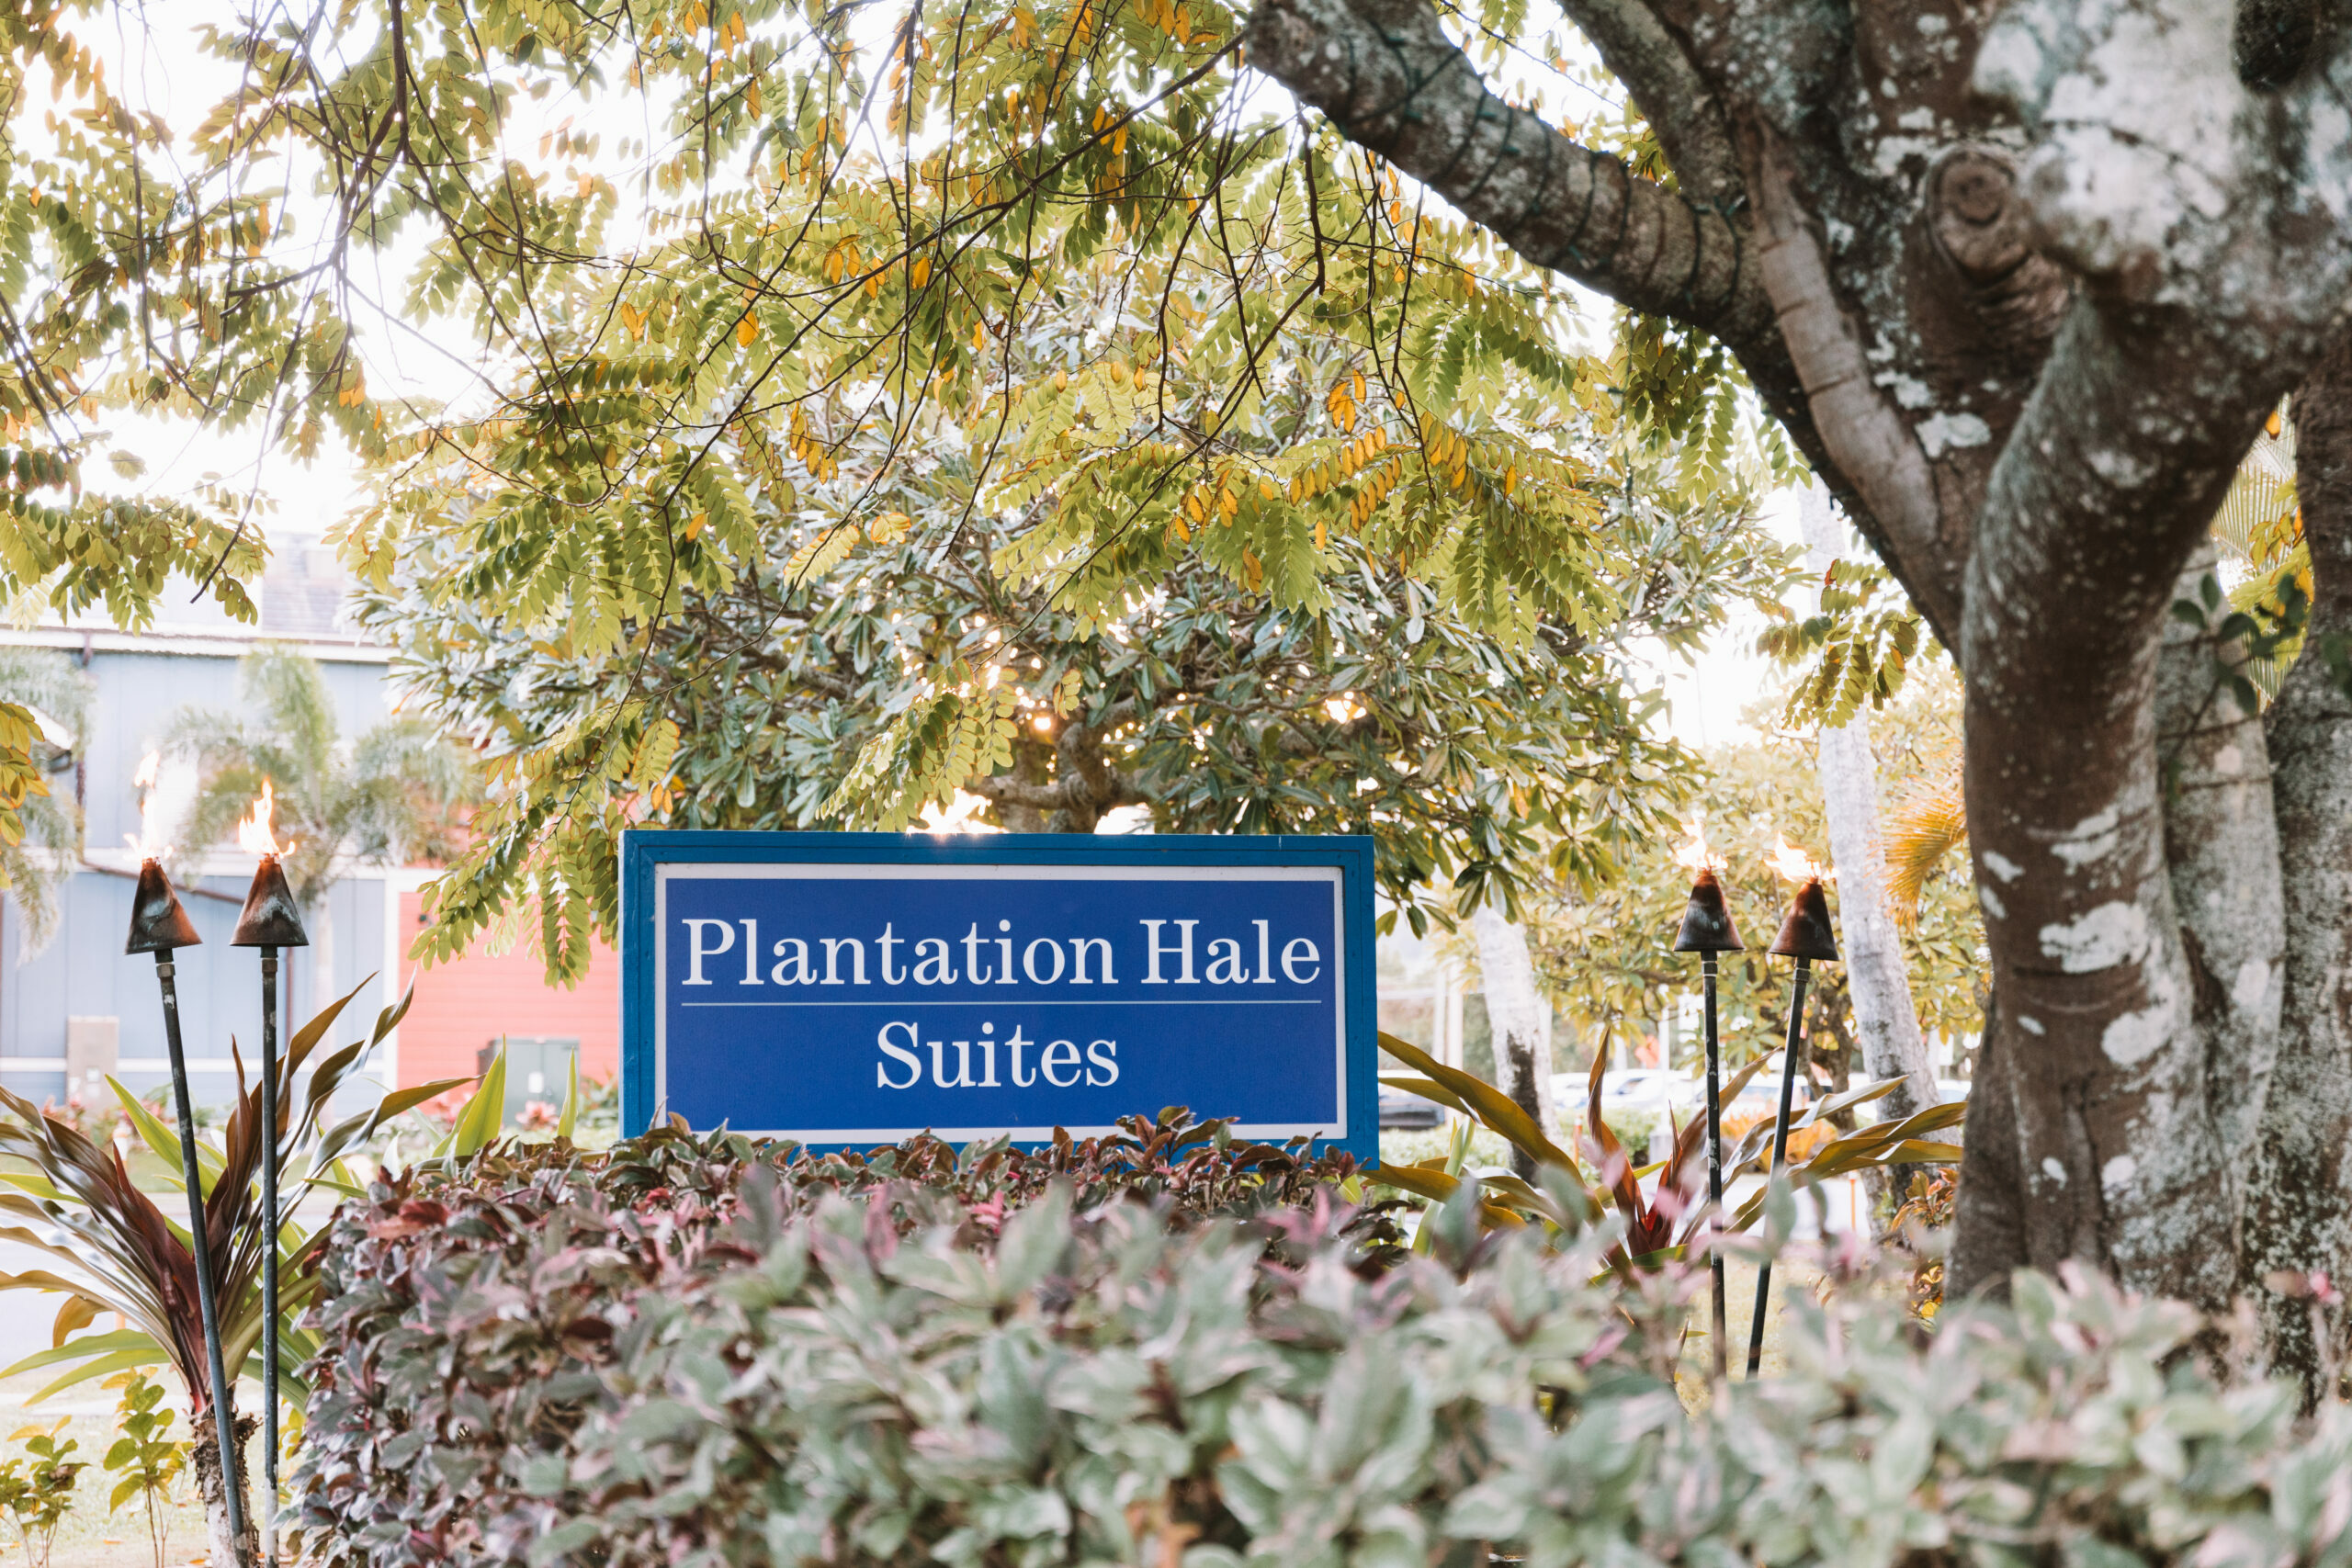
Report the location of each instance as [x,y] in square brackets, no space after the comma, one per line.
[465,1004]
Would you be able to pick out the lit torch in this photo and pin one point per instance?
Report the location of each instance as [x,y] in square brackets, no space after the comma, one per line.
[1707,931]
[1806,935]
[271,921]
[158,925]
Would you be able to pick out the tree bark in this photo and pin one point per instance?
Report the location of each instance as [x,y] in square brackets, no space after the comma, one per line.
[2221,847]
[2021,281]
[1886,1023]
[2298,1199]
[227,1546]
[1515,1013]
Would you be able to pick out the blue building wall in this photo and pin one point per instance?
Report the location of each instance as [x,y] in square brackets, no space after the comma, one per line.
[82,972]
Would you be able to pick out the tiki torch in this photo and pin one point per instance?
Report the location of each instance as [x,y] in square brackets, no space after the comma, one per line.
[1805,936]
[158,925]
[1707,931]
[271,921]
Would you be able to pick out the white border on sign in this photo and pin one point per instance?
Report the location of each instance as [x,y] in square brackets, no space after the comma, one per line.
[850,870]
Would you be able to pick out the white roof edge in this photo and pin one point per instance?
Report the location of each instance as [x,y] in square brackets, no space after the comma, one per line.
[205,644]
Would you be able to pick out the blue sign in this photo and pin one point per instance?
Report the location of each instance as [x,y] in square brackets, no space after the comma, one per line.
[849,989]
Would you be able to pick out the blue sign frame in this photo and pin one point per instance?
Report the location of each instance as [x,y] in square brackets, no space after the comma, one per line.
[653,862]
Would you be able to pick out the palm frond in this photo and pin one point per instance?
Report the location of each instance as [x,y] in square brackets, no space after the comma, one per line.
[1920,830]
[292,693]
[2260,519]
[397,791]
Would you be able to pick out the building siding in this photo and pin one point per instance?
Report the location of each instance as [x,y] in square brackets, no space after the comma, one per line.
[468,1003]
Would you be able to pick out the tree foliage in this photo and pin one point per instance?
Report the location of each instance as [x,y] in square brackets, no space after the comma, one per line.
[733,274]
[888,642]
[1606,955]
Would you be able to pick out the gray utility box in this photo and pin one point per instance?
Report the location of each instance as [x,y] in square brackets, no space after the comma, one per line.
[93,1047]
[539,1070]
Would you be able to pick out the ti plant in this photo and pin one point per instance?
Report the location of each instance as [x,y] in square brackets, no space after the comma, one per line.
[37,1487]
[127,1255]
[145,1460]
[1659,1219]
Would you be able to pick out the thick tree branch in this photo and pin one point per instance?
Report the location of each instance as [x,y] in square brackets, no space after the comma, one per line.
[1867,439]
[1681,108]
[1387,74]
[2099,497]
[1011,789]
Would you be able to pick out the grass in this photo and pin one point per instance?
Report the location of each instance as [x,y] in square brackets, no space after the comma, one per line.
[90,1537]
[1397,1147]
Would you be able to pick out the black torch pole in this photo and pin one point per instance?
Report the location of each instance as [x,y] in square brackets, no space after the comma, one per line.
[158,925]
[271,921]
[1780,1153]
[1806,934]
[223,1423]
[1709,930]
[269,1252]
[1715,1166]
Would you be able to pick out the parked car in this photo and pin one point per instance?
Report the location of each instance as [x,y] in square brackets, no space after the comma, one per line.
[1404,1112]
[1627,1089]
[1662,1090]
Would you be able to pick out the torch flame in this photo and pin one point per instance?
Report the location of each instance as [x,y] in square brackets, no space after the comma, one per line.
[255,834]
[148,843]
[1694,852]
[1795,863]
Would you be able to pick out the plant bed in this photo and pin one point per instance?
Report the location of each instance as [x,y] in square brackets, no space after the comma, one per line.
[694,1352]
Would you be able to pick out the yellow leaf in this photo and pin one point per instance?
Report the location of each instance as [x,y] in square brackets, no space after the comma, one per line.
[747,331]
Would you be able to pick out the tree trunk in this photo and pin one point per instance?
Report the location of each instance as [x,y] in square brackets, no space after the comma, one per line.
[2299,1197]
[1886,1023]
[1515,1013]
[228,1550]
[2024,311]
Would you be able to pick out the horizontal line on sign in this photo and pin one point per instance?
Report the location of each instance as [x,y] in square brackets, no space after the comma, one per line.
[1072,1002]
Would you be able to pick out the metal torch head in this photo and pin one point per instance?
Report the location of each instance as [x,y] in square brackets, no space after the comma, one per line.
[271,919]
[1707,919]
[158,924]
[1806,933]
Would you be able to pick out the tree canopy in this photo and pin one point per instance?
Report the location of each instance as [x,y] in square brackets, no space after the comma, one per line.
[1047,319]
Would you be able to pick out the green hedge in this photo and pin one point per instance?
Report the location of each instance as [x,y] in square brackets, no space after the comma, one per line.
[683,1357]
